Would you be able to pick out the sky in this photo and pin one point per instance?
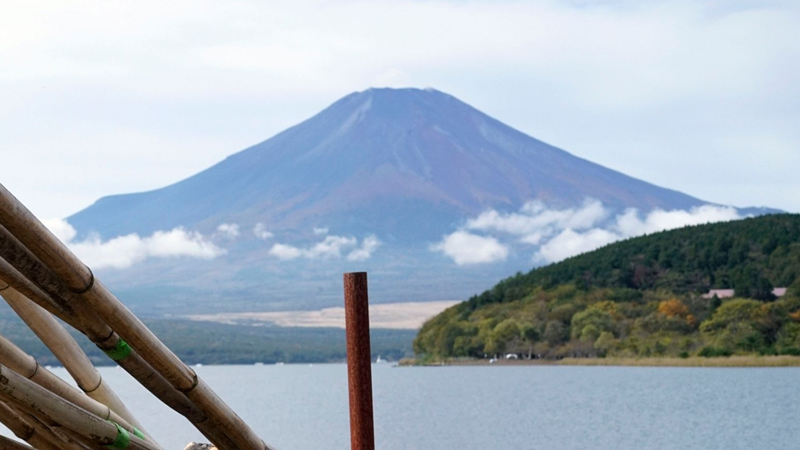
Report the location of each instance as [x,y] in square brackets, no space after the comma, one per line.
[100,98]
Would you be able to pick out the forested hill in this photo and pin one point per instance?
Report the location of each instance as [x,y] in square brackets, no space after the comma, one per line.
[640,297]
[745,255]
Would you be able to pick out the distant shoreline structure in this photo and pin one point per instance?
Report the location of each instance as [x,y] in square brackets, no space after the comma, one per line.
[730,293]
[695,361]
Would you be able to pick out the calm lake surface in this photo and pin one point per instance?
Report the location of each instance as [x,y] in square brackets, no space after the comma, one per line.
[525,407]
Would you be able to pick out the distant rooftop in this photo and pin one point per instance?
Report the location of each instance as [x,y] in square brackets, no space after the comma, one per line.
[728,293]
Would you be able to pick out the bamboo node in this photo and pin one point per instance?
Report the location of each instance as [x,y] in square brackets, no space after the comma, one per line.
[123,439]
[120,351]
[195,382]
[88,286]
[87,391]
[35,369]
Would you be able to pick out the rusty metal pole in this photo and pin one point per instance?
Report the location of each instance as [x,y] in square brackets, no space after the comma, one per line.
[359,360]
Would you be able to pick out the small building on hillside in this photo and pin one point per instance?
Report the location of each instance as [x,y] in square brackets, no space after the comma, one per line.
[729,293]
[720,293]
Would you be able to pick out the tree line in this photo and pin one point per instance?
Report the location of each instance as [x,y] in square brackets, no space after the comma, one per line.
[641,297]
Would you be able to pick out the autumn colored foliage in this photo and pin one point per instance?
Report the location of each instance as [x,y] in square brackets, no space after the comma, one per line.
[673,308]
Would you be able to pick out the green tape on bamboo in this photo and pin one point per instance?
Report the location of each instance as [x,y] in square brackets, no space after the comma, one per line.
[122,440]
[120,351]
[138,433]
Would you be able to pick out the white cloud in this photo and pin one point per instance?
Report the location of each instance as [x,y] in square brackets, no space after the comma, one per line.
[228,230]
[534,219]
[61,229]
[570,243]
[557,234]
[260,230]
[285,252]
[629,224]
[331,247]
[533,238]
[368,246]
[125,251]
[466,248]
[320,231]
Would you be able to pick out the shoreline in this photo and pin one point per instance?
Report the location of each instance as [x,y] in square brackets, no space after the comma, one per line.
[695,361]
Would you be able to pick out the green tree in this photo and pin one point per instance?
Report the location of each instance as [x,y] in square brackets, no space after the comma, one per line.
[737,326]
[503,334]
[600,321]
[605,343]
[732,312]
[555,332]
[789,339]
[793,289]
[752,283]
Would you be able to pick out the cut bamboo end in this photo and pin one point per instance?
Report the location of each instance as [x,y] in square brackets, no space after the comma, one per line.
[197,446]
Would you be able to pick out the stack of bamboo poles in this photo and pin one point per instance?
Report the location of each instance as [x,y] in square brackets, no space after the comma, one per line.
[41,279]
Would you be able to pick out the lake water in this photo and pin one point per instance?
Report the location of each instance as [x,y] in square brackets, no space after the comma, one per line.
[521,407]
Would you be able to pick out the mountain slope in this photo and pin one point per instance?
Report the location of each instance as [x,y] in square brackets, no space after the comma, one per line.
[391,157]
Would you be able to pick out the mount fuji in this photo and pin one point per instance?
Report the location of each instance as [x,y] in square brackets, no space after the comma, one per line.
[383,172]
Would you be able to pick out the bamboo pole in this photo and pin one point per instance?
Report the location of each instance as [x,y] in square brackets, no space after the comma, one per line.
[359,361]
[21,260]
[29,266]
[23,225]
[8,444]
[54,433]
[32,434]
[12,277]
[59,436]
[68,352]
[160,357]
[86,444]
[69,415]
[20,362]
[33,271]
